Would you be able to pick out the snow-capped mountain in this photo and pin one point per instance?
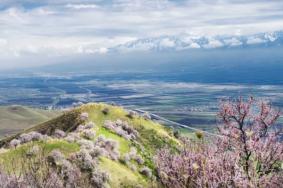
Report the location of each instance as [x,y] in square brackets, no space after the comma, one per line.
[184,42]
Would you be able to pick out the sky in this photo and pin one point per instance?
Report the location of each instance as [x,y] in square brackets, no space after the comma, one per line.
[55,28]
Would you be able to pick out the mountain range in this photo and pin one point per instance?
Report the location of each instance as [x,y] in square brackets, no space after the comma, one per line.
[188,41]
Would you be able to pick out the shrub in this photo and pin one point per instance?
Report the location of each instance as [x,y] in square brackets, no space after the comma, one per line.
[113,104]
[146,116]
[105,111]
[122,133]
[89,134]
[100,139]
[131,114]
[176,134]
[35,136]
[97,151]
[139,159]
[127,128]
[24,138]
[72,137]
[119,122]
[69,173]
[126,159]
[133,167]
[10,181]
[55,157]
[77,104]
[138,186]
[121,128]
[84,160]
[110,147]
[33,151]
[199,135]
[89,125]
[98,178]
[80,128]
[59,133]
[84,116]
[109,125]
[31,136]
[14,143]
[133,152]
[146,172]
[86,144]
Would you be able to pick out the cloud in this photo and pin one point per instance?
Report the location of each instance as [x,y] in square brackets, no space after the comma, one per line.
[213,44]
[254,40]
[52,27]
[194,45]
[167,43]
[3,42]
[232,42]
[82,6]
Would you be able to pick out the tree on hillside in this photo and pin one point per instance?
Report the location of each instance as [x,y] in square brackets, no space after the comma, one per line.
[248,152]
[249,131]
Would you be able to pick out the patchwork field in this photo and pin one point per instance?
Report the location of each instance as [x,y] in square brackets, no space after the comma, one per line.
[169,95]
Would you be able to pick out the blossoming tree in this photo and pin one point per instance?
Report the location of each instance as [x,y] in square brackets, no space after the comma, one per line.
[248,153]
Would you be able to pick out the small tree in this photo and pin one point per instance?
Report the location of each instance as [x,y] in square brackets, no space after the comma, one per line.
[248,153]
[248,130]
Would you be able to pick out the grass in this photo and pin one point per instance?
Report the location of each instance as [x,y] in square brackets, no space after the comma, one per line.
[153,136]
[124,145]
[148,129]
[121,176]
[13,156]
[64,146]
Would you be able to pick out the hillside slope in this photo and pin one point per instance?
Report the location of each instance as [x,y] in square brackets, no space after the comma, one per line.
[16,118]
[120,143]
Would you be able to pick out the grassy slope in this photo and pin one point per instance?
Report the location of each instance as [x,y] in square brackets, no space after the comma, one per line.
[16,118]
[153,136]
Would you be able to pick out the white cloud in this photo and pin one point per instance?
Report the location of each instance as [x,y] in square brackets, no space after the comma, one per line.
[254,40]
[194,45]
[103,50]
[167,43]
[3,42]
[82,6]
[52,27]
[233,42]
[213,44]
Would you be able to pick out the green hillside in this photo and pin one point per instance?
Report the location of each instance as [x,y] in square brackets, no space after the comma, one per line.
[134,141]
[16,118]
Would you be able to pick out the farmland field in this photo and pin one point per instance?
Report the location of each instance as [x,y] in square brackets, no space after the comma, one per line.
[191,103]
